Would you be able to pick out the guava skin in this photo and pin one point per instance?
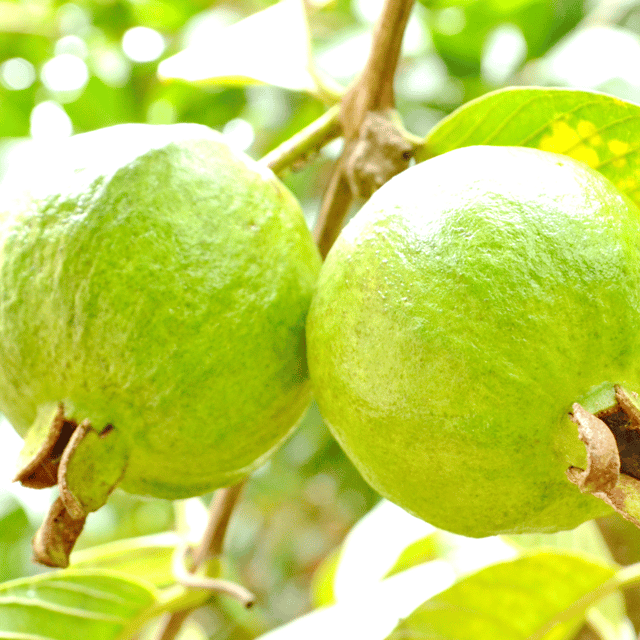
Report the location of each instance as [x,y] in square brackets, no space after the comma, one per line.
[458,317]
[159,283]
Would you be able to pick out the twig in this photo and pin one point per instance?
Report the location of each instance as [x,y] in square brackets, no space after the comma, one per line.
[220,512]
[187,578]
[306,142]
[335,205]
[210,546]
[372,91]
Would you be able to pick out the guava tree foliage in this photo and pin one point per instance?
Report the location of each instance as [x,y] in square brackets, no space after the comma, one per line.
[336,98]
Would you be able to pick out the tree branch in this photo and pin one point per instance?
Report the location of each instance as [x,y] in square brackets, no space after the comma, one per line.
[372,92]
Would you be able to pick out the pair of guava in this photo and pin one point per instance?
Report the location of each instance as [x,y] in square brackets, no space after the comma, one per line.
[475,321]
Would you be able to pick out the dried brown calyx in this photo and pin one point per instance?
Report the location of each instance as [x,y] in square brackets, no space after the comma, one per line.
[612,440]
[84,463]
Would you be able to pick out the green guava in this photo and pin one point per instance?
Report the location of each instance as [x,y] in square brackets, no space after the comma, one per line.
[154,286]
[479,306]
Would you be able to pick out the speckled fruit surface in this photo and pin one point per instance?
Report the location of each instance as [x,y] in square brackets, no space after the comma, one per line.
[458,317]
[157,281]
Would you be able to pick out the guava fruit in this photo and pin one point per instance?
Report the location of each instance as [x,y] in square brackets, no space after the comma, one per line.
[468,323]
[154,286]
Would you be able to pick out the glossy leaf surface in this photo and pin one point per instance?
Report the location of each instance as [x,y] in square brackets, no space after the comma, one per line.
[71,604]
[598,129]
[513,600]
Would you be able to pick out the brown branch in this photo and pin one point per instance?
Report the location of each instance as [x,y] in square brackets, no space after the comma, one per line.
[335,206]
[210,546]
[220,512]
[372,91]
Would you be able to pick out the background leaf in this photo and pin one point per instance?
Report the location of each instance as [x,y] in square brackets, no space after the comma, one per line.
[609,615]
[370,613]
[148,556]
[508,601]
[600,130]
[64,605]
[271,47]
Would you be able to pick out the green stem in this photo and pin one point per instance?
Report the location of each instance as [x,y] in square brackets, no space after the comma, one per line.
[625,577]
[307,141]
[175,600]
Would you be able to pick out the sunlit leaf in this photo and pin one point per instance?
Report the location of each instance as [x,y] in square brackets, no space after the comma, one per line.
[370,613]
[373,547]
[65,605]
[269,47]
[595,128]
[417,552]
[609,615]
[585,539]
[148,556]
[323,579]
[512,600]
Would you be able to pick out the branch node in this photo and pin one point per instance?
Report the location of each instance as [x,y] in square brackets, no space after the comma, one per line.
[192,581]
[380,153]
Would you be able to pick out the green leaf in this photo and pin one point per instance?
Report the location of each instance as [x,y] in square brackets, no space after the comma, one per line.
[373,546]
[271,46]
[148,556]
[513,600]
[370,613]
[322,583]
[600,130]
[418,552]
[609,615]
[63,605]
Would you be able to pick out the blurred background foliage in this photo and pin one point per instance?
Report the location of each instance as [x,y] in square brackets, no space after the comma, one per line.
[70,67]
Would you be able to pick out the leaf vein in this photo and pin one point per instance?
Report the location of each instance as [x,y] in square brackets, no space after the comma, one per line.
[94,593]
[68,611]
[512,115]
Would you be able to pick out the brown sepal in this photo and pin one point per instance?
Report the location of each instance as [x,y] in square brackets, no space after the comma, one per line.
[629,404]
[41,471]
[603,477]
[603,460]
[75,509]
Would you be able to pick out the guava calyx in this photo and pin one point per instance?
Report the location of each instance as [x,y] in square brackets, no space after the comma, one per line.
[84,463]
[40,457]
[612,440]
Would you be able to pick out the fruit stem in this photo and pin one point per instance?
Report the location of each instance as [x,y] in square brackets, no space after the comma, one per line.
[305,143]
[210,545]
